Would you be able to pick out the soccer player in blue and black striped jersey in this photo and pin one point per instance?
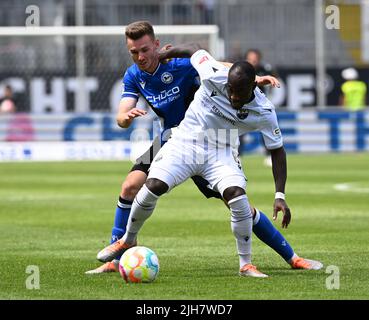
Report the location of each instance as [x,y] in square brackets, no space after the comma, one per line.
[169,88]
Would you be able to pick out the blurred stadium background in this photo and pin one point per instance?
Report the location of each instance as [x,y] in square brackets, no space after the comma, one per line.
[66,74]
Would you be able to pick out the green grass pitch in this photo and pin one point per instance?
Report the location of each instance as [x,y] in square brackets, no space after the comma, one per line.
[57,216]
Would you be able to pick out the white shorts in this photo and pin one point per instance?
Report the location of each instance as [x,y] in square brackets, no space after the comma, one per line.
[178,160]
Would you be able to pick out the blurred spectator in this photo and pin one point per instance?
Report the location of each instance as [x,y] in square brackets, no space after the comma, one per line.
[7,103]
[254,57]
[353,91]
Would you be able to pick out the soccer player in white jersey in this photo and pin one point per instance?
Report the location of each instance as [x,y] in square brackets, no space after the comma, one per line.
[227,105]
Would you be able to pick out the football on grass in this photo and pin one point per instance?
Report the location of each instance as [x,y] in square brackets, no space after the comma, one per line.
[139,264]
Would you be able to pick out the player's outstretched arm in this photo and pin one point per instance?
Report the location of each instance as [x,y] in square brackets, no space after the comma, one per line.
[279,163]
[267,80]
[128,111]
[227,64]
[180,51]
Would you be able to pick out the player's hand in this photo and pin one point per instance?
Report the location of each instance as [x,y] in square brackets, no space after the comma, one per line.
[162,51]
[268,80]
[134,113]
[281,205]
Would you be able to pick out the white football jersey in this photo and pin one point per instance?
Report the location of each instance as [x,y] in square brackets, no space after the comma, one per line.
[210,117]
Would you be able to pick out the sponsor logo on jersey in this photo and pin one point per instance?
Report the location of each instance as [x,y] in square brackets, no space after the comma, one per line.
[277,132]
[142,84]
[163,95]
[220,114]
[167,78]
[242,113]
[203,59]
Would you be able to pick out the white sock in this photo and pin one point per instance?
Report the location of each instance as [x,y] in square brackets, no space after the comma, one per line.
[142,207]
[257,217]
[241,224]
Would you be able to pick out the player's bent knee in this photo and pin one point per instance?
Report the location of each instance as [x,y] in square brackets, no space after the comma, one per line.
[157,186]
[240,208]
[232,192]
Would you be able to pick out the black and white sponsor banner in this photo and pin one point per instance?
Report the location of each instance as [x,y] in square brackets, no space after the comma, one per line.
[57,92]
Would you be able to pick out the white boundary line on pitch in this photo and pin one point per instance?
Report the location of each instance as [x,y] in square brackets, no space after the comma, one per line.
[351,187]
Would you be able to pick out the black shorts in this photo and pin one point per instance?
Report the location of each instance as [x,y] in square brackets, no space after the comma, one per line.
[203,185]
[144,161]
[143,164]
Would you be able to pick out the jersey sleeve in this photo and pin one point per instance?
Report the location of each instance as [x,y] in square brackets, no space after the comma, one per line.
[271,132]
[130,89]
[205,64]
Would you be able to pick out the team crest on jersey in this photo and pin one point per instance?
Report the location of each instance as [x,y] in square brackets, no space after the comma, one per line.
[167,77]
[242,113]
